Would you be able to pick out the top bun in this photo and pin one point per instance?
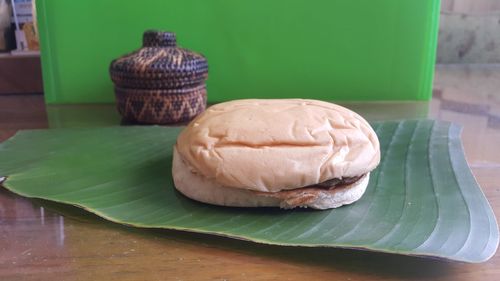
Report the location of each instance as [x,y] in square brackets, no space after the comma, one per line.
[280,144]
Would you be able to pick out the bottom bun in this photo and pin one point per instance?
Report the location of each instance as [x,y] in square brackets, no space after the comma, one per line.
[200,188]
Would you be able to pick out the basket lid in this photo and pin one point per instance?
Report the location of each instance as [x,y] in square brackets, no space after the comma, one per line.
[159,64]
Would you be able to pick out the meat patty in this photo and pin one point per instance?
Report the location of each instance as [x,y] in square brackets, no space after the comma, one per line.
[336,182]
[305,195]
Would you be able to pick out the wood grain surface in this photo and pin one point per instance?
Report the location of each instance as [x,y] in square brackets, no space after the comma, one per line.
[46,241]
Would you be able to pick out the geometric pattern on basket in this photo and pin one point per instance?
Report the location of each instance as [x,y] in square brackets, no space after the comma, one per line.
[159,67]
[160,83]
[161,106]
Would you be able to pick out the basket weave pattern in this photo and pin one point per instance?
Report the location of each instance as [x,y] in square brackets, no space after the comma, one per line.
[153,67]
[160,83]
[161,106]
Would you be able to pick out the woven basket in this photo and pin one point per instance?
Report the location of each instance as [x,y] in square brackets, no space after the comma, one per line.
[161,106]
[160,83]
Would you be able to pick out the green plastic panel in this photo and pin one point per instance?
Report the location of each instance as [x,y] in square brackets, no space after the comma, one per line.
[323,49]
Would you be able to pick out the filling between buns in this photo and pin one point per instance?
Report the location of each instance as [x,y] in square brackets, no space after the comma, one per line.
[336,182]
[304,195]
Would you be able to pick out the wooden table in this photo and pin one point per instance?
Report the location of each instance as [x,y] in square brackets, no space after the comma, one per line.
[38,243]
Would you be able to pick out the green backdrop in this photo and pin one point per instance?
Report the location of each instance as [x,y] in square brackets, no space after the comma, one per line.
[324,49]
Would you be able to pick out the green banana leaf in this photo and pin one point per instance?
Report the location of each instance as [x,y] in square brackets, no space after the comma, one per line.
[422,199]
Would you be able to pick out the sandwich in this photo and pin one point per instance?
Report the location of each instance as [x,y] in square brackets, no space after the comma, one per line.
[275,153]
